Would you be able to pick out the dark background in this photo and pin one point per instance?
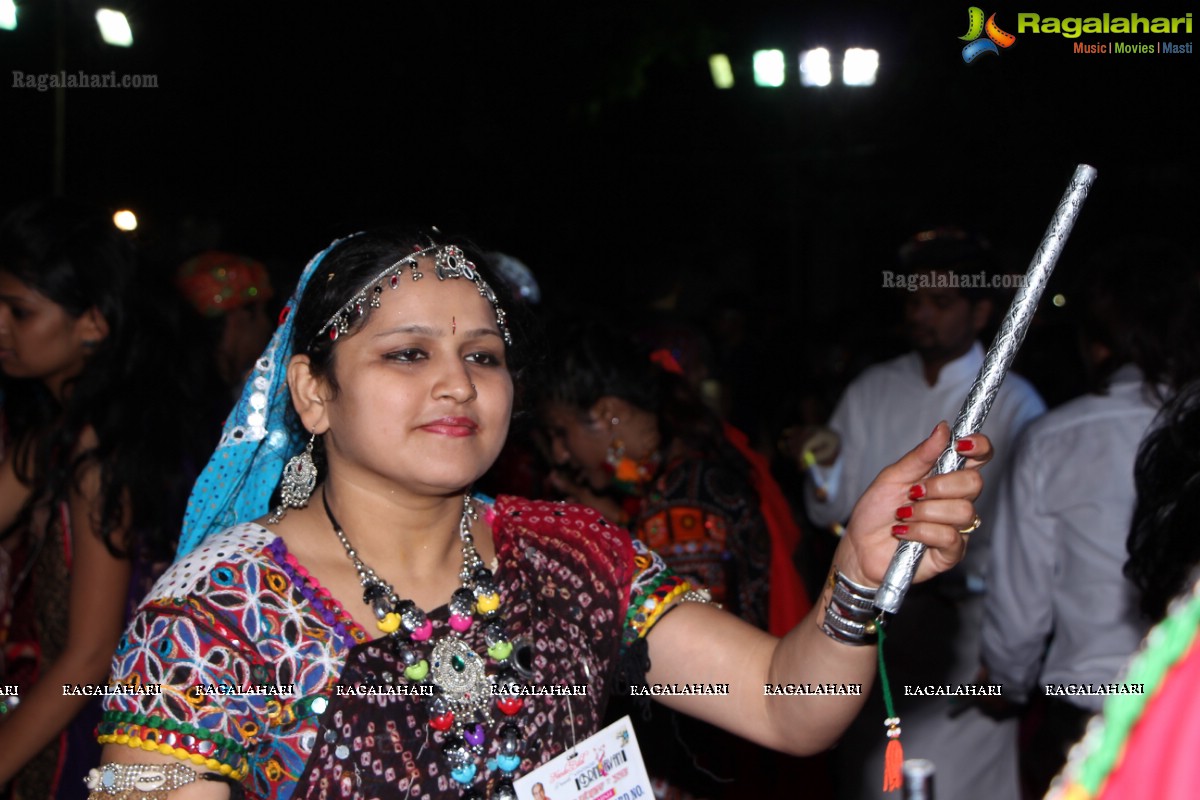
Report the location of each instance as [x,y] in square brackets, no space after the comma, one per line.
[587,138]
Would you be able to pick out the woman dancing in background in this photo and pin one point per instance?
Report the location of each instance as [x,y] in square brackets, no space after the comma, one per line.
[91,484]
[631,438]
[389,390]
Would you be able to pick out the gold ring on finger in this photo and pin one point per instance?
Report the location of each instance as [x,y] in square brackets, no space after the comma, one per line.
[975,523]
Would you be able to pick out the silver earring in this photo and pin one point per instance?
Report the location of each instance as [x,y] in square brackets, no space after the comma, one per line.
[298,482]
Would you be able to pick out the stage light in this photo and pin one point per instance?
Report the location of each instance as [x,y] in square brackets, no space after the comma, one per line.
[114,28]
[859,67]
[1059,300]
[814,68]
[8,15]
[722,72]
[125,219]
[769,69]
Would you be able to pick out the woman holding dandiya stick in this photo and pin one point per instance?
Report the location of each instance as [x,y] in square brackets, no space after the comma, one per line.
[395,368]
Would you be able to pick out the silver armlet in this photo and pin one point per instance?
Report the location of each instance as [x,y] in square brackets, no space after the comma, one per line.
[151,780]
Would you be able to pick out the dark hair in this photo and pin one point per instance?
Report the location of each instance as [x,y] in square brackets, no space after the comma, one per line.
[1141,300]
[949,248]
[134,388]
[346,270]
[589,360]
[1163,545]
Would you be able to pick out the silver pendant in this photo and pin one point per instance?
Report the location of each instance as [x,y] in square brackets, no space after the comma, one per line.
[460,673]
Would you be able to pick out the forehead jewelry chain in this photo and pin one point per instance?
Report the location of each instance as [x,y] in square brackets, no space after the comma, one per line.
[449,262]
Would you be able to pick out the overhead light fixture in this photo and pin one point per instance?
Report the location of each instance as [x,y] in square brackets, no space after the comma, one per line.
[769,69]
[859,66]
[815,69]
[125,219]
[722,72]
[114,28]
[8,15]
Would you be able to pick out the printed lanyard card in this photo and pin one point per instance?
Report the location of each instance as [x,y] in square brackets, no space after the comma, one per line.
[605,766]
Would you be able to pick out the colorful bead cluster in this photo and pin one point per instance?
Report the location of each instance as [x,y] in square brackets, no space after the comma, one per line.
[205,748]
[460,708]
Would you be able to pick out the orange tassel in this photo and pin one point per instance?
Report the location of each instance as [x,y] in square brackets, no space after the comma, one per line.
[893,760]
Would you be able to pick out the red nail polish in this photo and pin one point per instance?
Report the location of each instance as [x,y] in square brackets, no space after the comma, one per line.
[904,512]
[964,445]
[899,530]
[916,492]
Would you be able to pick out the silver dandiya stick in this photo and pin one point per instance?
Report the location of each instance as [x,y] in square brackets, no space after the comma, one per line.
[996,363]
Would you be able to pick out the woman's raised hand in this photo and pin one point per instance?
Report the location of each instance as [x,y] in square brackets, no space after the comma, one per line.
[905,503]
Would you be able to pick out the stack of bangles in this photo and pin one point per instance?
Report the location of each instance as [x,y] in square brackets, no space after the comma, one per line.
[850,617]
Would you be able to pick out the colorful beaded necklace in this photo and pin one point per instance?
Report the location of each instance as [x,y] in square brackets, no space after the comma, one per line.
[459,707]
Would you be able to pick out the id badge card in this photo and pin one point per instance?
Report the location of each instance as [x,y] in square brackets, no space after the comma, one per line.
[605,766]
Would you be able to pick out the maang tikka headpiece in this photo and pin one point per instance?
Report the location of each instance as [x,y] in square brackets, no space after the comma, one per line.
[449,262]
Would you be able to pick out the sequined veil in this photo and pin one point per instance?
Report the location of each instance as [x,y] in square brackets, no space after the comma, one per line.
[237,482]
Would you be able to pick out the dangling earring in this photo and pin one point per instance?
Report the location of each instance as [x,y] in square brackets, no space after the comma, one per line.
[628,475]
[614,456]
[298,482]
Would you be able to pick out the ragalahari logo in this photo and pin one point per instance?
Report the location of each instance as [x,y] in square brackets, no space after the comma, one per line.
[976,27]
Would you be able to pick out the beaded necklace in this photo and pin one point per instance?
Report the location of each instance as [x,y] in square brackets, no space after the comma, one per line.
[459,707]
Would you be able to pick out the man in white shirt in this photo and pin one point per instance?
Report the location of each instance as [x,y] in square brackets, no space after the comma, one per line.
[933,641]
[1056,563]
[1059,611]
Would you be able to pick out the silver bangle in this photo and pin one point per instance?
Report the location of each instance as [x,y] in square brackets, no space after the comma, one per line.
[850,617]
[847,638]
[836,577]
[854,602]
